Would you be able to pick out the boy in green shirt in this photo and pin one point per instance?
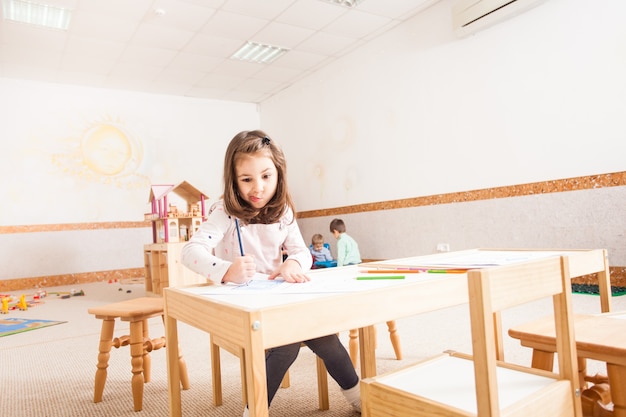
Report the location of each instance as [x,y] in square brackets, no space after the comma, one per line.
[347,248]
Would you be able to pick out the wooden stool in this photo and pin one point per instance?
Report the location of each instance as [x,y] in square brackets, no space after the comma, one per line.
[137,312]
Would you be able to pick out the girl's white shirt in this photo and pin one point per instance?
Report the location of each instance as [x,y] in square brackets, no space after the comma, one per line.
[215,244]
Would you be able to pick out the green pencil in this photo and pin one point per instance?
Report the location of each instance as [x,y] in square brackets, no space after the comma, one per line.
[369,277]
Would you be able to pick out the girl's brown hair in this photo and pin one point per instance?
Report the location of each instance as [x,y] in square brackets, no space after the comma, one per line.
[249,143]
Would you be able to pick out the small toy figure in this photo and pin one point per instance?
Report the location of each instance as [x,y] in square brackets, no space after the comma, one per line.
[22,305]
[5,305]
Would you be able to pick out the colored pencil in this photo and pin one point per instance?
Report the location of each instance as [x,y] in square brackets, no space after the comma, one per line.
[373,277]
[239,237]
[415,271]
[394,271]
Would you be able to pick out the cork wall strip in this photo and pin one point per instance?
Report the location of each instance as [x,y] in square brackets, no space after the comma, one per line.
[70,279]
[63,227]
[554,186]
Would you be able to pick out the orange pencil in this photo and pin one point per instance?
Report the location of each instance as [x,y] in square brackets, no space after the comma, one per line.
[394,271]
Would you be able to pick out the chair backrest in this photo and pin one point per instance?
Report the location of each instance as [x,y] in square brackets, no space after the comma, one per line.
[494,289]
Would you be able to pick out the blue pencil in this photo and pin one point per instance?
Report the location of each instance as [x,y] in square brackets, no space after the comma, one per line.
[239,237]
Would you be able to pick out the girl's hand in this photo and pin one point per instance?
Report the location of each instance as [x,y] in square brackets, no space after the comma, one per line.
[291,271]
[241,271]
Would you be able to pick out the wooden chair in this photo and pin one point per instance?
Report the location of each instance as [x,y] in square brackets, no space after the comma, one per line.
[137,312]
[216,374]
[393,336]
[455,384]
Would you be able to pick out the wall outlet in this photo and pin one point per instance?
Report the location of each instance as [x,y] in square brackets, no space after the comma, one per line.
[443,247]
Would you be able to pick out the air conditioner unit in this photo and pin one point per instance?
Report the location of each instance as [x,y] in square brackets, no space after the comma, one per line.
[469,16]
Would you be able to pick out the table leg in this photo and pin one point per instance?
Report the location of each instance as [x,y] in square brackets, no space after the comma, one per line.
[173,371]
[106,337]
[216,372]
[543,360]
[367,343]
[136,360]
[256,382]
[617,382]
[256,375]
[322,384]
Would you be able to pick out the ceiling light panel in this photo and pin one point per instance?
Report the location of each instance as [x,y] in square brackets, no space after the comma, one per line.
[36,14]
[258,52]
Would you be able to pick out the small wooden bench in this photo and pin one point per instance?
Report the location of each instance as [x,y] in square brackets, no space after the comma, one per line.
[600,337]
[137,312]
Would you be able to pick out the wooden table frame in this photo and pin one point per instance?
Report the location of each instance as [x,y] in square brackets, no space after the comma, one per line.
[257,329]
[580,262]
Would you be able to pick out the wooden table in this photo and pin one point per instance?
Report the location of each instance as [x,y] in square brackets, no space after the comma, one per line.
[334,302]
[600,337]
[257,323]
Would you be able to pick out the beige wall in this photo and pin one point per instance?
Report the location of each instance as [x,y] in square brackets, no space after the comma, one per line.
[420,112]
[580,219]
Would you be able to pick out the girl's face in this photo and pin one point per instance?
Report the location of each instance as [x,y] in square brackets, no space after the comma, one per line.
[257,178]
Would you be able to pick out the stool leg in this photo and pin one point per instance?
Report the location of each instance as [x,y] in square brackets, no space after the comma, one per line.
[106,336]
[182,366]
[354,346]
[147,361]
[136,360]
[395,339]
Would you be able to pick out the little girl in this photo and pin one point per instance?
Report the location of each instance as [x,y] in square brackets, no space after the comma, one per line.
[257,208]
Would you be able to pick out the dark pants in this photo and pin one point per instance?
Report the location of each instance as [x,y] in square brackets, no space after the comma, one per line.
[328,348]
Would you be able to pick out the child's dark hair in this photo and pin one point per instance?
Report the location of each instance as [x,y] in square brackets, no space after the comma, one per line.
[248,143]
[338,225]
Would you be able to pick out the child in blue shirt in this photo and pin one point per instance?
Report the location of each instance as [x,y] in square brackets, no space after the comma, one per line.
[320,252]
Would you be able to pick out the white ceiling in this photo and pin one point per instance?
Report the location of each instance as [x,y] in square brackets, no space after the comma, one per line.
[124,44]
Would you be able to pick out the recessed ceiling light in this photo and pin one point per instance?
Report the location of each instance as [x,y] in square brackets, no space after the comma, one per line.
[258,52]
[345,3]
[36,14]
